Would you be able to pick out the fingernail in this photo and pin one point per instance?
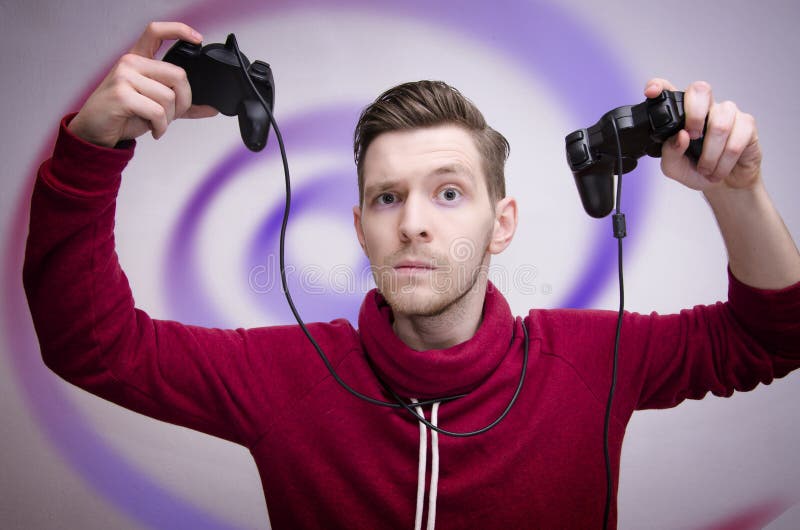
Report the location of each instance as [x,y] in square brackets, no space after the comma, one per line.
[694,135]
[197,36]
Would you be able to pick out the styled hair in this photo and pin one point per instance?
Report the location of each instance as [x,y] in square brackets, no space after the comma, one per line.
[422,104]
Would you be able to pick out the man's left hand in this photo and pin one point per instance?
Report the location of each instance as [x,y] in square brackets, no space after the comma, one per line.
[731,154]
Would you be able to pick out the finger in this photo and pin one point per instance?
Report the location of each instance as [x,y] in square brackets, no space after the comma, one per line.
[672,160]
[161,94]
[720,123]
[697,102]
[656,85]
[137,104]
[200,111]
[183,94]
[741,136]
[174,78]
[168,75]
[157,32]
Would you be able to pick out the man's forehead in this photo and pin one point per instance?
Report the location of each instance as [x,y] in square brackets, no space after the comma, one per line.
[431,151]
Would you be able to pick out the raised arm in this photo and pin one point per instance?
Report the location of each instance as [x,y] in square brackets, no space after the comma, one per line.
[761,252]
[89,330]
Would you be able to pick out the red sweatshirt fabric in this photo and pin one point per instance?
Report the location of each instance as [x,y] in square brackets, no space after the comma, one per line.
[329,460]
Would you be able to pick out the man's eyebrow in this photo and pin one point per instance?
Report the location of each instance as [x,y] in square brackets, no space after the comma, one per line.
[447,169]
[454,168]
[380,187]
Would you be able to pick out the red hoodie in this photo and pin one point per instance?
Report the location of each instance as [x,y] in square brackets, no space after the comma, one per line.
[329,460]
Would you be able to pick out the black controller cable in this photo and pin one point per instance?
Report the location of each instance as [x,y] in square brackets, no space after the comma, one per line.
[400,403]
[618,223]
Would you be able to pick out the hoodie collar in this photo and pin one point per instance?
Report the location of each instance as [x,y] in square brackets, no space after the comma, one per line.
[434,374]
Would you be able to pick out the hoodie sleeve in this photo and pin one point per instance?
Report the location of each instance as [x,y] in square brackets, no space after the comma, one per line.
[90,331]
[752,338]
[730,346]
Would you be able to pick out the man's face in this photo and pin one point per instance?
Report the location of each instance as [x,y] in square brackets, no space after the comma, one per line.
[426,222]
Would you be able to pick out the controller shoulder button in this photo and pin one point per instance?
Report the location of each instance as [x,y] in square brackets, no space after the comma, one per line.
[188,48]
[577,150]
[260,67]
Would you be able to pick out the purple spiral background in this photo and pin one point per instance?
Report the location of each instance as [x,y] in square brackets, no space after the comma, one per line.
[333,193]
[537,35]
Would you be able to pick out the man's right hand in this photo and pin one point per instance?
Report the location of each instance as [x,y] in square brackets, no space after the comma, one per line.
[140,93]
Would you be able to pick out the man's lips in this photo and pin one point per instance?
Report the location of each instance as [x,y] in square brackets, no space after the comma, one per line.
[414,265]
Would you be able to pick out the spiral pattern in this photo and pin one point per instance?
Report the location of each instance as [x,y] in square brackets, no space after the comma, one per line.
[332,191]
[462,249]
[515,29]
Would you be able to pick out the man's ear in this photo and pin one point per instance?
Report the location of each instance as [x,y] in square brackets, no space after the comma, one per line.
[359,228]
[505,224]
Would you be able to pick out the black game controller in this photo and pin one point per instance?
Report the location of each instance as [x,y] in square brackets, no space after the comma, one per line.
[217,79]
[592,153]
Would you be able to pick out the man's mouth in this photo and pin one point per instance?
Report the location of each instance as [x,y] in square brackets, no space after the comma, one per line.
[414,266]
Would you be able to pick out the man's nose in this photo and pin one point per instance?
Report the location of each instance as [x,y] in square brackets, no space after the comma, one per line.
[415,219]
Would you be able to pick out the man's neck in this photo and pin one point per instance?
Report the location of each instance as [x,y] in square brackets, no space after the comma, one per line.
[456,324]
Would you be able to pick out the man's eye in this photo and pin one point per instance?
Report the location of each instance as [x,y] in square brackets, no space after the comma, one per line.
[386,198]
[449,194]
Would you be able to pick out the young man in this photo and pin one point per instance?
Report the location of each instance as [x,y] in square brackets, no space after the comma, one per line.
[432,211]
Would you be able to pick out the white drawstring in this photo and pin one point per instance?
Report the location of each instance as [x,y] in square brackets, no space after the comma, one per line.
[434,468]
[423,464]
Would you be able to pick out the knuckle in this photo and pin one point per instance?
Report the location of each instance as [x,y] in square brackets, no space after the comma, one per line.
[170,97]
[729,107]
[152,27]
[718,128]
[736,148]
[119,91]
[170,103]
[748,119]
[182,106]
[736,145]
[721,118]
[159,113]
[128,60]
[119,79]
[175,74]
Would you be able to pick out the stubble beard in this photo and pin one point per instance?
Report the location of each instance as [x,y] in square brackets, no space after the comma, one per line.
[430,295]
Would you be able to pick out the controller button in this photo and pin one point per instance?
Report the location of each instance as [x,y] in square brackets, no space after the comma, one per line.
[259,67]
[187,48]
[577,150]
[660,117]
[574,136]
[578,154]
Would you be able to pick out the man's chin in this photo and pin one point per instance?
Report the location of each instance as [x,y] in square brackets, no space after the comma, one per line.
[421,299]
[416,301]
